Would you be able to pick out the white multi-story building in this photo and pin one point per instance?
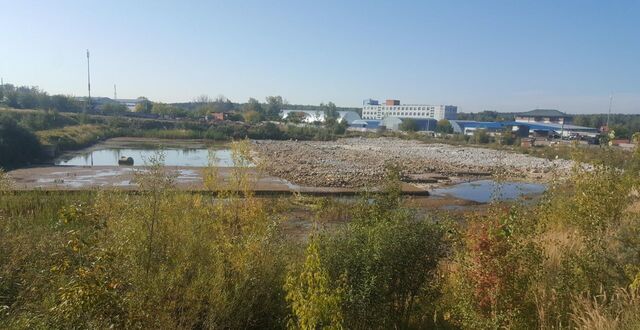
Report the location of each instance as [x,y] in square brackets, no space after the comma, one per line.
[392,108]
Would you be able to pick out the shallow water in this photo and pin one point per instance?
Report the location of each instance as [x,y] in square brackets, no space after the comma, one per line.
[197,157]
[485,191]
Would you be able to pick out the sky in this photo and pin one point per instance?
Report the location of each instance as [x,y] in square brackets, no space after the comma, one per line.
[511,55]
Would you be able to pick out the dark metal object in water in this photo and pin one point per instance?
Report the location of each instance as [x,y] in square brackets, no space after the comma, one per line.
[125,161]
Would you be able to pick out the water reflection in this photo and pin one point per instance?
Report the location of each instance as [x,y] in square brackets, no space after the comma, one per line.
[192,157]
[485,191]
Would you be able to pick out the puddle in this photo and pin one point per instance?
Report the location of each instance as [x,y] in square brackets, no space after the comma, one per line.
[485,191]
[198,157]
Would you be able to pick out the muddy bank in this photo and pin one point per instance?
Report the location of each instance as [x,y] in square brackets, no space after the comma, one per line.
[77,178]
[361,162]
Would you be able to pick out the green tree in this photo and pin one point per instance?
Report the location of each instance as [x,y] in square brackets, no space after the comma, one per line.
[330,111]
[409,125]
[444,126]
[315,304]
[17,144]
[480,136]
[144,105]
[273,107]
[296,117]
[113,108]
[252,117]
[253,105]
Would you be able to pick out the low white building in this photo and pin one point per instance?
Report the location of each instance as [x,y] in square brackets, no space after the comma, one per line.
[392,108]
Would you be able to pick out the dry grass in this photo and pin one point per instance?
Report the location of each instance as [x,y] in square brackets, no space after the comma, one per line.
[618,311]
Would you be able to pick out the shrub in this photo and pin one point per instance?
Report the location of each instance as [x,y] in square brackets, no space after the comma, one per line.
[17,144]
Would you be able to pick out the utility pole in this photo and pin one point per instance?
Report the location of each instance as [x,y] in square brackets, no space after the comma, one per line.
[115,93]
[88,81]
[609,114]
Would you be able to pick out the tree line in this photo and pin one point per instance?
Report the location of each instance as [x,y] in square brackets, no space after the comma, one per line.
[24,97]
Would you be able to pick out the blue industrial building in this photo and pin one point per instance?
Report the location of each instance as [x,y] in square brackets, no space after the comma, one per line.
[537,128]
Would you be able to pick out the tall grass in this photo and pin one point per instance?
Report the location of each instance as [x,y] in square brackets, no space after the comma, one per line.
[161,258]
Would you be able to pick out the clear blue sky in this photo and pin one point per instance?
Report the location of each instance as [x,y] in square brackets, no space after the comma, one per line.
[506,55]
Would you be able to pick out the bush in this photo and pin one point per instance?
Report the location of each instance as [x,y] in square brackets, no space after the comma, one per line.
[409,125]
[17,144]
[378,271]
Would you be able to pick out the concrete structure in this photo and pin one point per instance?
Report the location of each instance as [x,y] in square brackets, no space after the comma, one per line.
[546,116]
[391,123]
[392,108]
[312,116]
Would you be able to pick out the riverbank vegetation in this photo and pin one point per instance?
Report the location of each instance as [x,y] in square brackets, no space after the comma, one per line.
[30,136]
[160,258]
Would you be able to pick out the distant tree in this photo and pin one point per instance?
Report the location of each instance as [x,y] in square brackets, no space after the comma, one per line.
[507,136]
[480,136]
[273,107]
[202,99]
[64,103]
[252,105]
[17,144]
[223,104]
[113,108]
[409,125]
[252,116]
[164,109]
[330,110]
[296,117]
[444,126]
[27,97]
[340,127]
[144,105]
[234,116]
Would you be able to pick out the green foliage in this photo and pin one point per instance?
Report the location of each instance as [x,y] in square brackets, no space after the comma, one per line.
[163,258]
[444,126]
[113,108]
[486,115]
[296,117]
[18,145]
[378,271]
[409,125]
[330,111]
[24,97]
[144,105]
[489,280]
[157,259]
[480,136]
[313,301]
[273,107]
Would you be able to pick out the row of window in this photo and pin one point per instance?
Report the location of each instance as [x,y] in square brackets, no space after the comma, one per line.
[401,113]
[398,108]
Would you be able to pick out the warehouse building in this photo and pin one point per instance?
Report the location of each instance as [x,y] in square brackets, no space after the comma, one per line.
[468,127]
[544,116]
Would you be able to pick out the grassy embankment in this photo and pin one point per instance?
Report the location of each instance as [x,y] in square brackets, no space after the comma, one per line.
[166,259]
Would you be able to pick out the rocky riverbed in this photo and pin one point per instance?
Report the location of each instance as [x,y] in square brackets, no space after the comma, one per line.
[362,162]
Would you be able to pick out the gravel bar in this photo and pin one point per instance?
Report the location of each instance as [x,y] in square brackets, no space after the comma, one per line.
[360,162]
